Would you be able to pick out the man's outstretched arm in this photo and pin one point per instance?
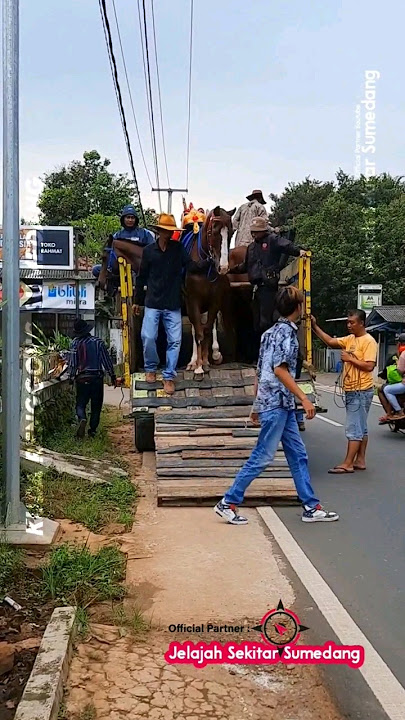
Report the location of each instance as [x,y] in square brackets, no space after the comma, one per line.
[327,339]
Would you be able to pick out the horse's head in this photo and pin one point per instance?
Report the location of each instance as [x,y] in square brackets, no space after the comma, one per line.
[219,234]
[103,276]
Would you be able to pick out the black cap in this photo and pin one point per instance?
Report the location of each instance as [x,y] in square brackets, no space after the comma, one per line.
[401,339]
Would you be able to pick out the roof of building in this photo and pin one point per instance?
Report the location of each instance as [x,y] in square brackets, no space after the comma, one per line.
[388,313]
[42,274]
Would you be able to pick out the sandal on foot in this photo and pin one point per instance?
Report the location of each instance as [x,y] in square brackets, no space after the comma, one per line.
[356,467]
[339,470]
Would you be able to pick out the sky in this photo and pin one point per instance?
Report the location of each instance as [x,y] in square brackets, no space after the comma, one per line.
[275,90]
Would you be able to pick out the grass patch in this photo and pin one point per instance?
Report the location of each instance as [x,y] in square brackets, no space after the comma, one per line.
[57,495]
[64,440]
[76,576]
[11,567]
[83,622]
[88,713]
[133,619]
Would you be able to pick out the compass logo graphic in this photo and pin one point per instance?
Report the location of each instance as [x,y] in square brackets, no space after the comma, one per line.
[280,627]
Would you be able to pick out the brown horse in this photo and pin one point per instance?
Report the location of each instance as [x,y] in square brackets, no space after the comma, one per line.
[208,289]
[109,277]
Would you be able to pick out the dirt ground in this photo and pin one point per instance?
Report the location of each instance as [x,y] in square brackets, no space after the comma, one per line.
[185,566]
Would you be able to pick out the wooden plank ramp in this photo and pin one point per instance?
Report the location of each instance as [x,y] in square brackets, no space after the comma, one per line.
[199,452]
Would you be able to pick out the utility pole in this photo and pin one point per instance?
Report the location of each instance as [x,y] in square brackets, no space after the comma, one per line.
[170,192]
[18,527]
[15,511]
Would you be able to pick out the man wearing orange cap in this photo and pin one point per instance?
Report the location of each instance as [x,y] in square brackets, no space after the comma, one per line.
[244,216]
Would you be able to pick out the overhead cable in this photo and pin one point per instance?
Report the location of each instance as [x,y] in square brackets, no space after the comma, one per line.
[130,93]
[189,91]
[114,72]
[159,93]
[149,95]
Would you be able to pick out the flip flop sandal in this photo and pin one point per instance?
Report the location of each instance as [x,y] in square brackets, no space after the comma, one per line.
[340,471]
[359,468]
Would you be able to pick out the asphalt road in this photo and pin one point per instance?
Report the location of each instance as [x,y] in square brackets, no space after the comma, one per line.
[361,557]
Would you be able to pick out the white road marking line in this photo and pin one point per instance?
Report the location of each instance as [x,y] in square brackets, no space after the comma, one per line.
[386,688]
[330,422]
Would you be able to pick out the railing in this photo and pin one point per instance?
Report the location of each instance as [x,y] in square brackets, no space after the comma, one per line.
[325,359]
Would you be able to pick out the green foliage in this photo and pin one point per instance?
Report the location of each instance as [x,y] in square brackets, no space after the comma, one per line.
[132,619]
[11,567]
[45,345]
[331,235]
[74,575]
[96,229]
[94,505]
[297,199]
[55,416]
[63,436]
[355,229]
[82,189]
[83,622]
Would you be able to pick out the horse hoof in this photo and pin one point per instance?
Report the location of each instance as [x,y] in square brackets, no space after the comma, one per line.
[206,368]
[217,359]
[199,373]
[191,367]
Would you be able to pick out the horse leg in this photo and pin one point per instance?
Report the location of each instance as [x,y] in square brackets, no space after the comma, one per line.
[198,337]
[193,362]
[208,335]
[216,355]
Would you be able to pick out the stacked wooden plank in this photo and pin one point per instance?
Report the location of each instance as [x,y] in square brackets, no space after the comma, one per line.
[231,385]
[199,452]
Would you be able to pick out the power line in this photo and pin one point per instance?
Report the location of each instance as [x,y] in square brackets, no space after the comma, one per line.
[114,72]
[148,83]
[159,93]
[189,90]
[130,93]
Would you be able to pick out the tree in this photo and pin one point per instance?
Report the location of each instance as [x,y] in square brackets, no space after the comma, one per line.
[370,192]
[338,238]
[81,189]
[95,229]
[304,198]
[388,251]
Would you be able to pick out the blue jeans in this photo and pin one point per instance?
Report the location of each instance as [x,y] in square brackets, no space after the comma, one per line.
[276,425]
[358,404]
[391,391]
[150,327]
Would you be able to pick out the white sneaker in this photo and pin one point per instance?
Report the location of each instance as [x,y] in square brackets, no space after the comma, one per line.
[229,513]
[318,514]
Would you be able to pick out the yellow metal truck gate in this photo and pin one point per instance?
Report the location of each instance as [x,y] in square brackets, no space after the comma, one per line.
[298,273]
[126,310]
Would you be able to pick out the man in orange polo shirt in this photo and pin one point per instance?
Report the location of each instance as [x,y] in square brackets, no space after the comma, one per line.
[359,356]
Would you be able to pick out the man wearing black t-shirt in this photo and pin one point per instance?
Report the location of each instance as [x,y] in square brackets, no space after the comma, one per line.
[161,273]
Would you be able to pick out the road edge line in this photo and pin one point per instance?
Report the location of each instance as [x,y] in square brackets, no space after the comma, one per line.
[382,682]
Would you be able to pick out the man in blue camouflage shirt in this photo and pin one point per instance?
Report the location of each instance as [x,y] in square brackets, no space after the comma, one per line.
[274,411]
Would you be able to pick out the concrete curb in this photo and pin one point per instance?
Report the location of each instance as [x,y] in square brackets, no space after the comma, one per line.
[44,689]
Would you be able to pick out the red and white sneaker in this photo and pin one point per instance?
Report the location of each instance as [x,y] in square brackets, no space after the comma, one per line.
[229,513]
[318,514]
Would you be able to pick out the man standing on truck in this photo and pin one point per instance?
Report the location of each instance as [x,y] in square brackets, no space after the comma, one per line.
[161,275]
[263,266]
[130,231]
[359,357]
[242,220]
[274,410]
